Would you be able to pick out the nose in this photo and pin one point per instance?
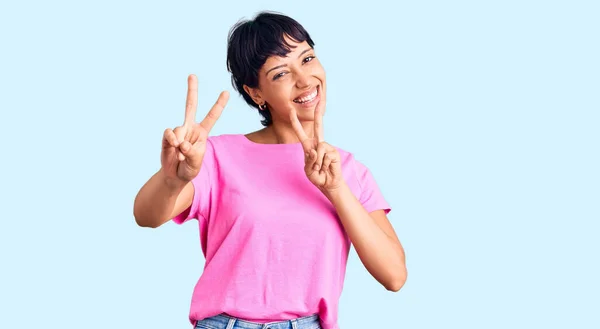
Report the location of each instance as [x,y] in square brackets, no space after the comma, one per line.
[302,79]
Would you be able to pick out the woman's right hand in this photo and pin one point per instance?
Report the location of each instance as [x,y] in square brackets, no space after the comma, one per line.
[183,148]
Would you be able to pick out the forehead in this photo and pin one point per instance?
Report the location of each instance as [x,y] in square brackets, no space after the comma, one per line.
[295,50]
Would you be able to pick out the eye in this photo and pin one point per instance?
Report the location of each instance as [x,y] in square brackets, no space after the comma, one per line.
[308,59]
[278,75]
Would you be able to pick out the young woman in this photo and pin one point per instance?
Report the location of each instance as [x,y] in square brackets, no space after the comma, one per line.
[279,207]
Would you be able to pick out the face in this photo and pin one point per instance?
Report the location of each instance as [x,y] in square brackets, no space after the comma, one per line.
[295,81]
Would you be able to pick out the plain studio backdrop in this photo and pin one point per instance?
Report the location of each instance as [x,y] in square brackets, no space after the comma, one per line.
[479,120]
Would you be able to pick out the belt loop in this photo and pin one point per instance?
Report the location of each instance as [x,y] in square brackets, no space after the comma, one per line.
[231,323]
[294,323]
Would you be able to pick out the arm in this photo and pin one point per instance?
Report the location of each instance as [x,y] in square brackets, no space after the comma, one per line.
[373,238]
[161,199]
[372,234]
[170,191]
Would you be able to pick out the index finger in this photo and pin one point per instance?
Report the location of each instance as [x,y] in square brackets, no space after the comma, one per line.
[191,102]
[318,123]
[297,126]
[215,111]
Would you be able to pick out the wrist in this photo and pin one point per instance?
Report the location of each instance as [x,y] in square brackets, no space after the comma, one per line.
[336,192]
[172,184]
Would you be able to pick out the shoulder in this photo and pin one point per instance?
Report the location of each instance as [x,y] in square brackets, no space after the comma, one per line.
[362,182]
[354,171]
[218,147]
[224,142]
[349,161]
[224,139]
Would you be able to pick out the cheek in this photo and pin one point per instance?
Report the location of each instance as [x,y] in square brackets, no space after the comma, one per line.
[318,71]
[318,66]
[280,93]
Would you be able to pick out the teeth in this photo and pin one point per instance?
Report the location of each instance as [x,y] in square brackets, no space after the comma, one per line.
[307,98]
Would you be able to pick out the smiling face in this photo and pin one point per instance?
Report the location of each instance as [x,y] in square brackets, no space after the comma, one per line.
[295,81]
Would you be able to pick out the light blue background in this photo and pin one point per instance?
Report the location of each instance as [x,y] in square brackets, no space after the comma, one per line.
[480,121]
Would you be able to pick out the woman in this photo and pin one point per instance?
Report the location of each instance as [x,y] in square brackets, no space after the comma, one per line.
[279,207]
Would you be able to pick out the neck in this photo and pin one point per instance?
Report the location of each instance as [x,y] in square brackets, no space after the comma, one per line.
[283,133]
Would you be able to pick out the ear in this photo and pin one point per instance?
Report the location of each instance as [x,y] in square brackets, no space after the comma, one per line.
[255,94]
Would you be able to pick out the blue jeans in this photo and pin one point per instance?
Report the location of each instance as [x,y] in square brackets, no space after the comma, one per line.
[223,321]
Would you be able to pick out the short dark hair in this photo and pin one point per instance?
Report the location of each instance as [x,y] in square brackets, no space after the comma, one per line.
[251,42]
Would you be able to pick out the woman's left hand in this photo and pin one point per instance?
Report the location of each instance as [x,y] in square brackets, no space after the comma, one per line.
[322,164]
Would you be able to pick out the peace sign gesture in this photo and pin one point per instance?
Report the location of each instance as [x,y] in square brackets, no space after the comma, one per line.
[321,160]
[183,148]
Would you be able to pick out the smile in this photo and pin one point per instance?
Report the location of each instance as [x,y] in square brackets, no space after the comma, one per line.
[308,98]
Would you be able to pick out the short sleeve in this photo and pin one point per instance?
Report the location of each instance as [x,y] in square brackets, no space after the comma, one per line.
[370,195]
[200,206]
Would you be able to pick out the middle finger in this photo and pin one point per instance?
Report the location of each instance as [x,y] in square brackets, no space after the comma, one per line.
[321,150]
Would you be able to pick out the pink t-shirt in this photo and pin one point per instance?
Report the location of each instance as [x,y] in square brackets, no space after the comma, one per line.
[273,243]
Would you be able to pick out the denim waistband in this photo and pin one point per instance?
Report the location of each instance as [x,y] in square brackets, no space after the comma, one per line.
[224,321]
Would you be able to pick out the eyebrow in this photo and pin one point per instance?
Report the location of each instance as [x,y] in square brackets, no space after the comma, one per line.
[283,65]
[304,52]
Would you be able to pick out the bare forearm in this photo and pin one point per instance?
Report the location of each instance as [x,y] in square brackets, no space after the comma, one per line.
[160,199]
[382,255]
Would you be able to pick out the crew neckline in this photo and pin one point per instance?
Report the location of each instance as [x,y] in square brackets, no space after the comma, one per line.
[269,145]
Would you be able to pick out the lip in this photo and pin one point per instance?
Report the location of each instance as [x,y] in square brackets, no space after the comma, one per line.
[311,103]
